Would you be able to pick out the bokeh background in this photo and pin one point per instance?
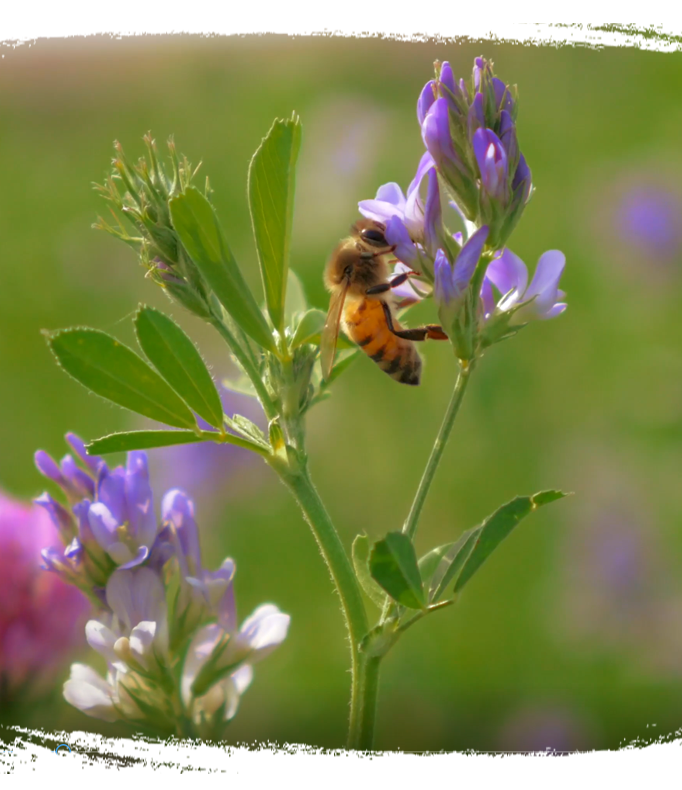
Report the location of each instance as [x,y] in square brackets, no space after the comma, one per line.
[571,635]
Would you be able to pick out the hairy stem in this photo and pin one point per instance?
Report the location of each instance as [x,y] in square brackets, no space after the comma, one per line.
[364,703]
[410,526]
[363,693]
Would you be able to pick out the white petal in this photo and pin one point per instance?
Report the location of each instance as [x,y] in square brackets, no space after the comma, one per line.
[90,693]
[141,641]
[235,686]
[101,639]
[258,614]
[261,633]
[242,678]
[200,649]
[231,700]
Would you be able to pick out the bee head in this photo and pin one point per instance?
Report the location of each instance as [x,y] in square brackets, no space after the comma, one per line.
[371,232]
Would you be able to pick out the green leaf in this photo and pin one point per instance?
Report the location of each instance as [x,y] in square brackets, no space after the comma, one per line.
[309,328]
[113,371]
[496,528]
[361,565]
[452,562]
[141,440]
[430,561]
[295,302]
[196,223]
[393,564]
[546,497]
[247,428]
[176,358]
[145,440]
[271,184]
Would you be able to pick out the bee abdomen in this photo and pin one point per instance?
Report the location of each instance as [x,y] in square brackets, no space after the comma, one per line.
[402,363]
[365,324]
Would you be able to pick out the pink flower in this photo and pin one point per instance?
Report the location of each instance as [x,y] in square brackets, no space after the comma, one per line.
[41,617]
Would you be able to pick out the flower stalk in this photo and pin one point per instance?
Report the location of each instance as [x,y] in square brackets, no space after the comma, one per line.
[412,521]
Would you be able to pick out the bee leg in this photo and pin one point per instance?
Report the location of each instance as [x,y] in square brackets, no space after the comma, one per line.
[394,283]
[419,333]
[370,255]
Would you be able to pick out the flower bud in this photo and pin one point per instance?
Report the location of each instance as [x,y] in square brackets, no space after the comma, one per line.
[460,132]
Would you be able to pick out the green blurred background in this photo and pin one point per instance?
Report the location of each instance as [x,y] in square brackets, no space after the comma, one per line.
[571,636]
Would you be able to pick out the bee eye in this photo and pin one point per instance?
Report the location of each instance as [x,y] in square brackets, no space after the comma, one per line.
[375,237]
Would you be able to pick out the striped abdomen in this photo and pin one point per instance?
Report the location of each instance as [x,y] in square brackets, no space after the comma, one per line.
[364,322]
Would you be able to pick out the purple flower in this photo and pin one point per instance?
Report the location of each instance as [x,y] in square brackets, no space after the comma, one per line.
[213,593]
[391,202]
[433,216]
[122,519]
[111,521]
[508,140]
[479,72]
[436,134]
[210,591]
[492,161]
[509,275]
[217,648]
[41,617]
[132,636]
[398,236]
[476,116]
[458,130]
[426,99]
[521,183]
[451,281]
[101,698]
[75,483]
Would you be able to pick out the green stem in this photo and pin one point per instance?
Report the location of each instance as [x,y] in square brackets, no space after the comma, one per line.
[410,526]
[364,703]
[249,368]
[363,694]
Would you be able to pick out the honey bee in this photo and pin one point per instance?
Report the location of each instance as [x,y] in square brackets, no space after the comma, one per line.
[363,305]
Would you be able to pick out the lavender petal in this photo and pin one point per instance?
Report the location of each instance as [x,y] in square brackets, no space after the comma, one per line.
[466,262]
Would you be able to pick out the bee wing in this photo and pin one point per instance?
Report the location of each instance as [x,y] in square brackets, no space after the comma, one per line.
[330,332]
